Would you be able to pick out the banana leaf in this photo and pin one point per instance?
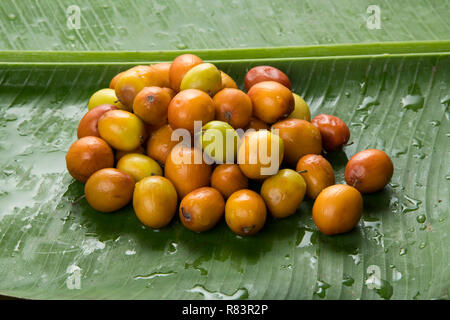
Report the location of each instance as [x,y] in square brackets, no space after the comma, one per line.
[127,25]
[53,245]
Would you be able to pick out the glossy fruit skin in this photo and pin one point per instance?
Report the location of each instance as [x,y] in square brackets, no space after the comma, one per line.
[227,81]
[201,209]
[283,193]
[257,124]
[160,144]
[214,141]
[300,137]
[170,91]
[265,73]
[151,105]
[301,109]
[319,173]
[186,175]
[132,81]
[271,101]
[155,201]
[88,155]
[188,106]
[109,190]
[119,153]
[249,158]
[104,96]
[228,178]
[121,129]
[179,67]
[234,107]
[205,77]
[369,170]
[245,212]
[162,72]
[88,125]
[113,82]
[337,209]
[139,166]
[333,130]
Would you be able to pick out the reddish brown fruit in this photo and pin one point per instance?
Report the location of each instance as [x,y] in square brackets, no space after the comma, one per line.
[333,130]
[369,170]
[266,73]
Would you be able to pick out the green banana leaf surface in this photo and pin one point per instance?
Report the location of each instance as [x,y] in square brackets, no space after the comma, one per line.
[53,245]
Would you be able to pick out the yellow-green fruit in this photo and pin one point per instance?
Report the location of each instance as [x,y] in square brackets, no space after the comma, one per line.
[301,109]
[205,77]
[283,192]
[121,129]
[139,166]
[219,141]
[155,201]
[105,96]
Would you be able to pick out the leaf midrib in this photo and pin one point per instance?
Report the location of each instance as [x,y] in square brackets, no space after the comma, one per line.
[297,52]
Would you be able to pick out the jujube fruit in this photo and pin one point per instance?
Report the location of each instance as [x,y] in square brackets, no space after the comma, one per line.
[265,73]
[233,106]
[88,155]
[105,96]
[187,170]
[219,141]
[151,105]
[205,77]
[179,67]
[228,178]
[369,170]
[201,209]
[162,72]
[260,154]
[155,201]
[139,166]
[301,109]
[283,192]
[337,209]
[317,172]
[333,130]
[188,106]
[88,125]
[227,81]
[109,190]
[271,101]
[160,143]
[300,137]
[245,212]
[121,129]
